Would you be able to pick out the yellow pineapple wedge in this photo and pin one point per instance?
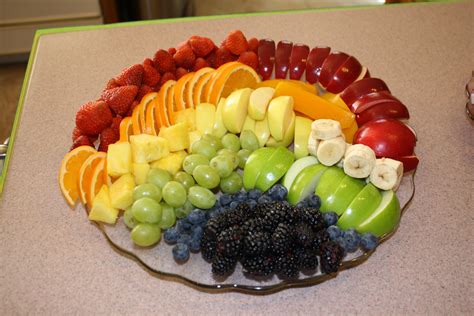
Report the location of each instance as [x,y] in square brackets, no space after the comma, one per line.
[147,148]
[121,192]
[119,159]
[177,136]
[171,163]
[186,116]
[193,137]
[140,171]
[102,209]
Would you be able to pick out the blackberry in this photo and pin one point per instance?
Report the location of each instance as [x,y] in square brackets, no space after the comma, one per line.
[256,243]
[282,239]
[214,226]
[313,217]
[307,260]
[275,213]
[208,248]
[259,266]
[252,225]
[304,235]
[319,238]
[223,265]
[229,242]
[232,217]
[331,256]
[287,266]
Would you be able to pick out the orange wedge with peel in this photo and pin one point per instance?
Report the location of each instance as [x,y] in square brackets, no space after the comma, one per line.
[180,92]
[96,181]
[85,173]
[189,91]
[144,104]
[161,109]
[126,129]
[151,126]
[69,172]
[199,88]
[136,124]
[212,80]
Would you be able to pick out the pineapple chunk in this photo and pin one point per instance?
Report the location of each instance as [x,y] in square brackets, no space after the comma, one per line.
[186,116]
[146,148]
[171,163]
[140,171]
[205,117]
[177,136]
[102,209]
[121,192]
[119,159]
[193,137]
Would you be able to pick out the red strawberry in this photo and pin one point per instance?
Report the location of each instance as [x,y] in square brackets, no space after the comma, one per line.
[211,58]
[134,105]
[249,58]
[167,76]
[111,84]
[148,62]
[76,132]
[185,57]
[253,45]
[93,117]
[223,56]
[172,51]
[115,126]
[107,137]
[119,99]
[164,61]
[180,72]
[200,63]
[81,141]
[236,42]
[144,89]
[131,76]
[201,46]
[151,76]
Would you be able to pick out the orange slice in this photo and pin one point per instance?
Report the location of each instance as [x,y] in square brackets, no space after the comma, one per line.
[211,82]
[69,172]
[85,173]
[126,129]
[151,126]
[161,109]
[199,88]
[144,104]
[180,91]
[136,125]
[231,78]
[96,181]
[189,92]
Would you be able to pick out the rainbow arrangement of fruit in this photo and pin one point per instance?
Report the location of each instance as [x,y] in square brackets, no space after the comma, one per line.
[228,152]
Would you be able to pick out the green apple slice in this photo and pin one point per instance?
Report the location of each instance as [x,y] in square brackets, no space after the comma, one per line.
[305,183]
[385,217]
[364,204]
[254,165]
[274,168]
[329,183]
[345,193]
[296,168]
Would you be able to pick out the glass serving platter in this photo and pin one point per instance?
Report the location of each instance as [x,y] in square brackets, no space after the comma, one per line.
[196,272]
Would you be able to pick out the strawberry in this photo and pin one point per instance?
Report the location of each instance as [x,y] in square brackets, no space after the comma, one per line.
[131,76]
[253,45]
[236,42]
[144,89]
[107,137]
[164,61]
[119,99]
[201,46]
[76,132]
[134,105]
[223,56]
[200,63]
[249,58]
[111,84]
[172,51]
[148,62]
[185,57]
[82,140]
[115,126]
[167,76]
[180,72]
[211,59]
[93,117]
[151,76]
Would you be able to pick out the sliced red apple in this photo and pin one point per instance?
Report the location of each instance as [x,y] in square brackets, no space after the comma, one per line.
[282,59]
[266,58]
[387,137]
[362,87]
[314,62]
[395,110]
[330,66]
[345,75]
[298,56]
[409,162]
[367,74]
[367,101]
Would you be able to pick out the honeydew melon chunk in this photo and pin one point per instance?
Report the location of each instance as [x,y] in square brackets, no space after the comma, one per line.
[296,168]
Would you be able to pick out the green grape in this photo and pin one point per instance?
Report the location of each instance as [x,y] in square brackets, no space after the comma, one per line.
[168,219]
[224,164]
[145,235]
[233,155]
[192,161]
[243,155]
[146,210]
[185,179]
[231,141]
[232,183]
[203,147]
[201,197]
[128,219]
[184,210]
[174,194]
[147,190]
[158,177]
[248,140]
[206,176]
[213,140]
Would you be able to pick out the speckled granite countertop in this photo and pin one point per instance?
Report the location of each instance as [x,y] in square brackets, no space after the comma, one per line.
[52,261]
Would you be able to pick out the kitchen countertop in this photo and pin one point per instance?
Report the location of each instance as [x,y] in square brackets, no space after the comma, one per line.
[53,261]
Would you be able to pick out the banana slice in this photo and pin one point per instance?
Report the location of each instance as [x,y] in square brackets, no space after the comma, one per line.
[359,163]
[313,145]
[361,147]
[387,174]
[325,129]
[330,151]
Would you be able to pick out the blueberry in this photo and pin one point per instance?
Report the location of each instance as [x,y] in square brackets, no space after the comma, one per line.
[278,192]
[240,196]
[197,232]
[197,216]
[330,218]
[195,245]
[368,241]
[225,199]
[183,226]
[254,194]
[252,203]
[314,201]
[180,252]
[334,232]
[352,240]
[342,242]
[171,235]
[184,239]
[302,204]
[264,199]
[234,204]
